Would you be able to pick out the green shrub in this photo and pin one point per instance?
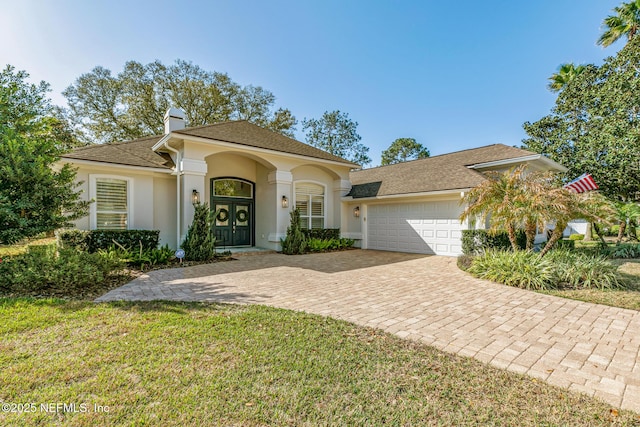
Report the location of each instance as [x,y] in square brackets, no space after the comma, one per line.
[323,245]
[96,240]
[318,245]
[141,258]
[565,244]
[76,239]
[475,242]
[576,237]
[104,239]
[199,245]
[295,242]
[321,233]
[559,268]
[625,250]
[42,272]
[582,271]
[522,269]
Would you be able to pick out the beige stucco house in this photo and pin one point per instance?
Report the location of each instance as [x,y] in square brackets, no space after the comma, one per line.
[254,177]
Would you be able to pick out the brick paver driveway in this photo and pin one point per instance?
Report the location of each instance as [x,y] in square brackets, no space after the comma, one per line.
[586,347]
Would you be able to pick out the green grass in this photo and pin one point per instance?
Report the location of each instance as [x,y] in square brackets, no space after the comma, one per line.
[11,250]
[178,364]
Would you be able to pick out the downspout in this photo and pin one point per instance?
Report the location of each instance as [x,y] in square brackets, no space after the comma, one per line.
[178,172]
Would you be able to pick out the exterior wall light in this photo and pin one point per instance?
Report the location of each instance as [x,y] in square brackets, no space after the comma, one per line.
[195,197]
[285,202]
[356,211]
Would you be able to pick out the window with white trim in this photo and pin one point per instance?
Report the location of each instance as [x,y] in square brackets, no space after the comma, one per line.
[111,204]
[311,204]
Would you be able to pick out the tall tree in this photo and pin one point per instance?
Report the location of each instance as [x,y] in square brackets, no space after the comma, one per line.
[625,22]
[132,104]
[595,125]
[337,134]
[403,149]
[565,74]
[34,197]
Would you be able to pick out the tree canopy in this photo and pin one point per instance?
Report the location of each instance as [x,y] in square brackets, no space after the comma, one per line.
[565,74]
[105,107]
[337,134]
[34,197]
[625,22]
[402,150]
[595,125]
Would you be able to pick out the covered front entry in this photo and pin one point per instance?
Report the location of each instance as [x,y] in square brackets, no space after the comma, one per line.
[232,200]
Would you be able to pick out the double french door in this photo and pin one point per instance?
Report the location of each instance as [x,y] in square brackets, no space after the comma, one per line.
[233,222]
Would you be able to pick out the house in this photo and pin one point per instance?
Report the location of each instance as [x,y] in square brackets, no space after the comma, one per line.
[253,178]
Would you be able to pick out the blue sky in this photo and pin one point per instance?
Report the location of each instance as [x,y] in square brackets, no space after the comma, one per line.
[453,75]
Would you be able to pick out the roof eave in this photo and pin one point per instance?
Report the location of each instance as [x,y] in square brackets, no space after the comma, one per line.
[515,160]
[119,165]
[452,191]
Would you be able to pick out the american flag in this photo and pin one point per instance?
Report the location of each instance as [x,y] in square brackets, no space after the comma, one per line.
[584,182]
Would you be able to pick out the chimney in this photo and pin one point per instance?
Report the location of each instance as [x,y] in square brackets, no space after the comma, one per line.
[173,120]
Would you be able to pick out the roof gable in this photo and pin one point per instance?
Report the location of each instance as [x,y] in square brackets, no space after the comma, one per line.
[245,133]
[139,152]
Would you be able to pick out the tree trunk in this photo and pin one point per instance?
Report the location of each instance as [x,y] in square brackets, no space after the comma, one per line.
[530,232]
[555,236]
[511,231]
[623,227]
[588,235]
[599,233]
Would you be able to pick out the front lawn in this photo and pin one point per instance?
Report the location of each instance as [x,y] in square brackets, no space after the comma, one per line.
[184,364]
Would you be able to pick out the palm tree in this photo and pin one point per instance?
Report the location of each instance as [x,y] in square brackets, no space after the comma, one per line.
[590,205]
[495,198]
[627,213]
[625,22]
[525,199]
[514,199]
[565,74]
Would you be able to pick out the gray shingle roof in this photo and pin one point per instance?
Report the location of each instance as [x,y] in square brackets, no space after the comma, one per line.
[131,153]
[438,173]
[139,153]
[244,133]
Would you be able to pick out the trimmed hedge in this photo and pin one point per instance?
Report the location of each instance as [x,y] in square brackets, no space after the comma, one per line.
[321,233]
[95,240]
[475,242]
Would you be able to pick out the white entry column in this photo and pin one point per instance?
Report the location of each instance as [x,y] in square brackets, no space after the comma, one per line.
[193,177]
[283,183]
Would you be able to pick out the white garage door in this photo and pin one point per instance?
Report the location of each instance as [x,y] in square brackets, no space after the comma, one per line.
[426,228]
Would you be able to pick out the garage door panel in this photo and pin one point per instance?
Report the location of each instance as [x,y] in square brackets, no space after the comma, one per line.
[430,227]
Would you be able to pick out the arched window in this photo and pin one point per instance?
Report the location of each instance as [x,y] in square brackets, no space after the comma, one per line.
[310,201]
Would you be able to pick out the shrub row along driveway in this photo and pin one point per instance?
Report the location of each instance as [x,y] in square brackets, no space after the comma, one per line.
[586,347]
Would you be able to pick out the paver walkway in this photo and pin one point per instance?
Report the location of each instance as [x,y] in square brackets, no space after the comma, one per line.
[585,347]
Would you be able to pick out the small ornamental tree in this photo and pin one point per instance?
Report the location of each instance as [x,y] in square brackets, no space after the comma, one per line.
[199,245]
[295,242]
